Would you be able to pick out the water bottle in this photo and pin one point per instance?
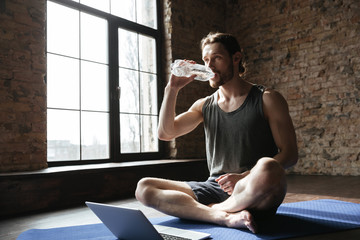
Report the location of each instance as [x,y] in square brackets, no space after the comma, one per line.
[183,68]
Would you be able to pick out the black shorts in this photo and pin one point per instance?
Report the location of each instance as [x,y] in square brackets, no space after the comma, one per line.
[208,192]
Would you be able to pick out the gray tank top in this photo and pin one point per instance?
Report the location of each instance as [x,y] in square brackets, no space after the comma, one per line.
[236,140]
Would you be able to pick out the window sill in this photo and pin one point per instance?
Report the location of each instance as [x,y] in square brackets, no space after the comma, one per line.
[99,166]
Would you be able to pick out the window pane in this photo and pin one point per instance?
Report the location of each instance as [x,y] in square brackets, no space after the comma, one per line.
[146,13]
[129,133]
[147,50]
[63,135]
[95,135]
[94,86]
[129,83]
[94,38]
[149,139]
[128,49]
[124,9]
[148,96]
[62,82]
[78,78]
[62,30]
[102,5]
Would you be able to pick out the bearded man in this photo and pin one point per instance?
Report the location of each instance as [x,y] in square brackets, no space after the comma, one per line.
[250,141]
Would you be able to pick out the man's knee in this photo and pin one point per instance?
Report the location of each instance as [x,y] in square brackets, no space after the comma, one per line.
[271,167]
[268,175]
[145,191]
[269,182]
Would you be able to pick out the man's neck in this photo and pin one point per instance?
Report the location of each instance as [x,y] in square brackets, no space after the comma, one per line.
[233,94]
[237,87]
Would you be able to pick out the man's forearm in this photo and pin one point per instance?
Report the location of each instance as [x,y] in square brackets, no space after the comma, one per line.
[287,159]
[167,114]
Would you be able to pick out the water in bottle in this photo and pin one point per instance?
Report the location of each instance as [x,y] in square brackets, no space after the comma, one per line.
[183,68]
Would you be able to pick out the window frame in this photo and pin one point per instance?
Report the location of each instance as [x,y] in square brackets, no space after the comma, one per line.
[114,23]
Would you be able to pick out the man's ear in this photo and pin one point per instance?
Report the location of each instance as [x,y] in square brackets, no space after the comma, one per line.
[237,57]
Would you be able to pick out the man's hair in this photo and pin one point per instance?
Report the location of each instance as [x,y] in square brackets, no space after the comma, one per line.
[228,41]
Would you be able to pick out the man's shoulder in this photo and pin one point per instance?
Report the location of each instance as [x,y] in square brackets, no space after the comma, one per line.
[201,103]
[271,94]
[274,102]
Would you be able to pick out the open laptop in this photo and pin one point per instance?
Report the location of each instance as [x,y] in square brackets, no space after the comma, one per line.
[127,223]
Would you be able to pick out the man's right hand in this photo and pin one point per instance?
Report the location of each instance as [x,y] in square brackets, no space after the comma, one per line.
[178,83]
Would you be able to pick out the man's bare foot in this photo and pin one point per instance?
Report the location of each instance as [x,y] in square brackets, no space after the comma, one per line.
[242,219]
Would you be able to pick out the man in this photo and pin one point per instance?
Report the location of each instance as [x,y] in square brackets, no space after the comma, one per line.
[250,140]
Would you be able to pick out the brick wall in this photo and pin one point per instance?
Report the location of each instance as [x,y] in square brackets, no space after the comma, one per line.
[310,52]
[307,50]
[189,21]
[22,87]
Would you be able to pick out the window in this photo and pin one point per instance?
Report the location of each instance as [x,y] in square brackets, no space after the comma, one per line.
[102,80]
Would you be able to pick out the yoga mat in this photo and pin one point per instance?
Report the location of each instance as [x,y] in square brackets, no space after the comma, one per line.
[292,220]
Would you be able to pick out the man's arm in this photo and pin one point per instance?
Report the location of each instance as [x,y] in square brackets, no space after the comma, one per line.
[277,112]
[171,126]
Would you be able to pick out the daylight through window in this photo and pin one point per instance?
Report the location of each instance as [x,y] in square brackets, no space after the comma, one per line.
[102,79]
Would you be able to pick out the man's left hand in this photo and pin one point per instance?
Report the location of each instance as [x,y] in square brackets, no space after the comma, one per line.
[227,181]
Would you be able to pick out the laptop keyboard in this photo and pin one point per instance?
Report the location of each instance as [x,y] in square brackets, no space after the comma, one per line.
[171,237]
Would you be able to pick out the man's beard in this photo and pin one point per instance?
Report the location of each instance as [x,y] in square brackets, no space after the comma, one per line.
[224,77]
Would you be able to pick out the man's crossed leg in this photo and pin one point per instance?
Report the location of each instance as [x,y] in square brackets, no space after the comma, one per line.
[261,191]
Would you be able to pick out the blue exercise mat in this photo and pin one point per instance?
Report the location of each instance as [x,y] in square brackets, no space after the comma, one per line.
[292,220]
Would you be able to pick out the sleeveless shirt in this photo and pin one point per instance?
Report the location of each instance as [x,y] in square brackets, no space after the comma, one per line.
[236,140]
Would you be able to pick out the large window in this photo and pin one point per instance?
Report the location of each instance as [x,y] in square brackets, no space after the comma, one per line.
[102,80]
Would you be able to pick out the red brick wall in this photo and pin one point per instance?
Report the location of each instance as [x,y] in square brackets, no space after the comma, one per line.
[22,87]
[307,50]
[187,22]
[310,52]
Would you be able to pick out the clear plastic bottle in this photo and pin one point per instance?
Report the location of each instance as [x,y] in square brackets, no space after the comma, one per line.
[182,68]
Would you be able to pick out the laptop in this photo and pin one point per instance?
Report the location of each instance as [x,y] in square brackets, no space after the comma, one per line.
[127,223]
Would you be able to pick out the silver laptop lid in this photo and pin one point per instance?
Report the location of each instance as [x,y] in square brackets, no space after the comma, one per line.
[125,223]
